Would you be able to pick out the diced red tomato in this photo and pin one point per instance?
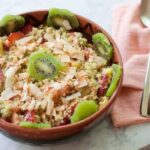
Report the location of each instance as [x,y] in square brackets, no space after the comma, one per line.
[27,28]
[30,116]
[66,121]
[6,46]
[15,36]
[102,89]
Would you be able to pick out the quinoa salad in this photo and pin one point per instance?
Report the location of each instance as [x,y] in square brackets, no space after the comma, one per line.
[51,75]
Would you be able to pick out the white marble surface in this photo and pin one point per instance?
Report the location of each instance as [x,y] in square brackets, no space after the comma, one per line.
[103,136]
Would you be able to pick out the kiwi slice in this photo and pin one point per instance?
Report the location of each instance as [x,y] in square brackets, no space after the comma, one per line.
[62,18]
[83,110]
[27,124]
[103,46]
[117,72]
[11,23]
[43,66]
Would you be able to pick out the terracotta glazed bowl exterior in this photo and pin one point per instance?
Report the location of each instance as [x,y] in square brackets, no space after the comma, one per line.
[88,28]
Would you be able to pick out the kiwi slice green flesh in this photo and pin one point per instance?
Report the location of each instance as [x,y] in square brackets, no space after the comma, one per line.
[83,110]
[43,66]
[62,18]
[103,46]
[117,72]
[27,124]
[11,23]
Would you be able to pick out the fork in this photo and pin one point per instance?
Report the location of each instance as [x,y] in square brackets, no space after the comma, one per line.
[145,101]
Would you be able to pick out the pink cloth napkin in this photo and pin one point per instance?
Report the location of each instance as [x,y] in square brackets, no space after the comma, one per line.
[133,40]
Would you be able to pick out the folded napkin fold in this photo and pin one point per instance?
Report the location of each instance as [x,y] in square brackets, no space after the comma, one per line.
[133,40]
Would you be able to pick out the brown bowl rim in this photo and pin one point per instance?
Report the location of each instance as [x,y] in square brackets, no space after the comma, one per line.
[93,116]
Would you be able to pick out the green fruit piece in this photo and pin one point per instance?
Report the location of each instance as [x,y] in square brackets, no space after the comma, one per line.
[103,46]
[117,72]
[27,124]
[62,18]
[11,23]
[83,110]
[43,66]
[1,47]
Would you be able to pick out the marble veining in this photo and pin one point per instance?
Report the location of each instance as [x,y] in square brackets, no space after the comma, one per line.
[103,136]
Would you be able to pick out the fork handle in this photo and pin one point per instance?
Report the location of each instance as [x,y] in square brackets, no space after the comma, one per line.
[146,92]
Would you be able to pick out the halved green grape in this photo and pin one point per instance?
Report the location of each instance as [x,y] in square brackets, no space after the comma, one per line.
[43,66]
[62,18]
[83,110]
[117,72]
[11,23]
[27,124]
[103,46]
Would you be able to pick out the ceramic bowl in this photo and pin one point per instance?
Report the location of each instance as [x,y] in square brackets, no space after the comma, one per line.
[88,28]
